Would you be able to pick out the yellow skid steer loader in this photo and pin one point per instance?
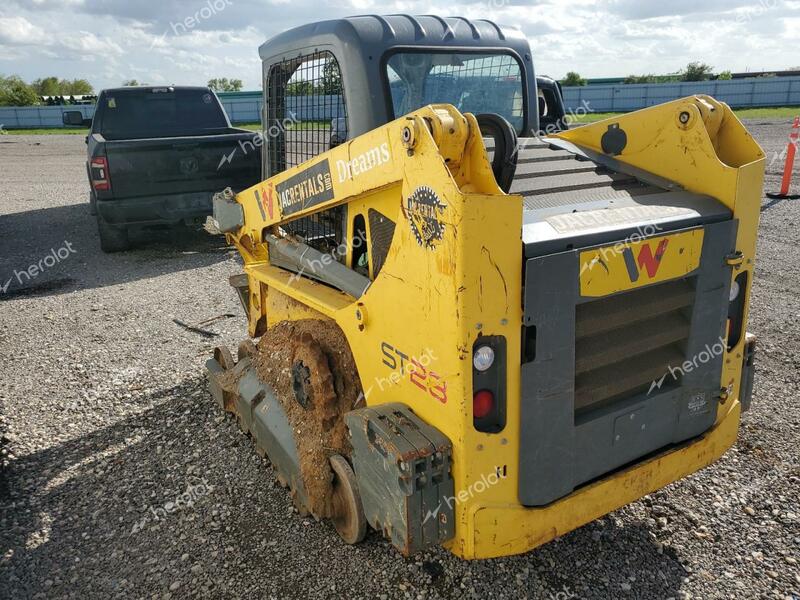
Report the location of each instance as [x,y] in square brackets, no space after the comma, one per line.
[468,334]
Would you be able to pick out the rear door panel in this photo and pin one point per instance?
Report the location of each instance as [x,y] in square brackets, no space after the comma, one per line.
[602,392]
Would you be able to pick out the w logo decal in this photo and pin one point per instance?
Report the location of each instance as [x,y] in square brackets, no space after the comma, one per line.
[646,260]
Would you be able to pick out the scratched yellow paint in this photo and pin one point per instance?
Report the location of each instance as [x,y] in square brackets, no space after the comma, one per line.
[438,291]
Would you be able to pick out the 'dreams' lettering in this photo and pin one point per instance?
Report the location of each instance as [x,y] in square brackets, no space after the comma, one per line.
[361,163]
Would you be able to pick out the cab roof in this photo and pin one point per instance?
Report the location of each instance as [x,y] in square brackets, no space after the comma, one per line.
[373,35]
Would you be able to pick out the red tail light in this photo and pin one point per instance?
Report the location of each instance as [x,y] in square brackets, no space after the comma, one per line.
[489,383]
[482,404]
[99,171]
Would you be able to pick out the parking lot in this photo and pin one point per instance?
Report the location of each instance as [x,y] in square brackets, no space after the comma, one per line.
[123,480]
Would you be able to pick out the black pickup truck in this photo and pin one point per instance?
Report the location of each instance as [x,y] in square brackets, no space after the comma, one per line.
[158,154]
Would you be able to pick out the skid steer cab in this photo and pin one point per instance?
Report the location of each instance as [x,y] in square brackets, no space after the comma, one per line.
[460,333]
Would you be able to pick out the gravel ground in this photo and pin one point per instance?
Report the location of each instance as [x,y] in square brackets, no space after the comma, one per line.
[124,481]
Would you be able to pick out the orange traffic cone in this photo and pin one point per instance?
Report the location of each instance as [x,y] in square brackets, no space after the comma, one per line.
[788,167]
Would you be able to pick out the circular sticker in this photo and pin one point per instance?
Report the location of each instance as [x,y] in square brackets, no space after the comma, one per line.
[424,210]
[207,98]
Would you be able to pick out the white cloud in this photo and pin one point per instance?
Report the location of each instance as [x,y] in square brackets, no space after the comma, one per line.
[88,43]
[107,41]
[18,31]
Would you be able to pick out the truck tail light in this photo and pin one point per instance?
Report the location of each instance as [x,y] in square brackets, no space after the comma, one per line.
[99,170]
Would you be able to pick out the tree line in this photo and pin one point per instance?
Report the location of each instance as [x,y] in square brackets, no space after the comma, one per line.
[328,82]
[694,71]
[218,84]
[14,91]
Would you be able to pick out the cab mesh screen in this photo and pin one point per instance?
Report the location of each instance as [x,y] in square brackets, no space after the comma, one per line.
[306,116]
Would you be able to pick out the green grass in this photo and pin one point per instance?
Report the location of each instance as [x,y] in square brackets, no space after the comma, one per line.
[768,113]
[781,112]
[85,131]
[300,125]
[48,131]
[591,117]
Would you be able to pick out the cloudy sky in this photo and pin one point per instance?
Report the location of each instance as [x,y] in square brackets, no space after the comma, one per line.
[109,41]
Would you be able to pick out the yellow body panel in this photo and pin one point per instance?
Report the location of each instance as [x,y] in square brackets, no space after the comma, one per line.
[701,145]
[412,331]
[533,527]
[637,263]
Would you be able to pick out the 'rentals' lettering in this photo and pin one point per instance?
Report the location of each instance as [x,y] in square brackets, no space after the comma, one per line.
[305,189]
[308,188]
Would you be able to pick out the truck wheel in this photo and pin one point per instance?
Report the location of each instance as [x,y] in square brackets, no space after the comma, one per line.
[112,238]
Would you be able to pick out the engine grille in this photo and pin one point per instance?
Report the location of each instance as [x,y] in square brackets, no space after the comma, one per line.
[624,343]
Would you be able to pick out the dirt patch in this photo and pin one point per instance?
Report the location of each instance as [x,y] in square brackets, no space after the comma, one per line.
[229,382]
[311,368]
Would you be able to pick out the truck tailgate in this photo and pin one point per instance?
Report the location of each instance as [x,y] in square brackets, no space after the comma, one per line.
[164,166]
